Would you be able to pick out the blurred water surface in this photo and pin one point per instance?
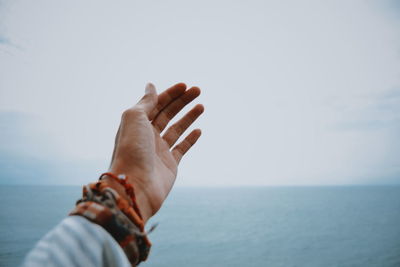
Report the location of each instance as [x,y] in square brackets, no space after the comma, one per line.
[248,226]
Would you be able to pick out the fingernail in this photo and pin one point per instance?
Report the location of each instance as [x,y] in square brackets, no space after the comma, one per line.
[150,88]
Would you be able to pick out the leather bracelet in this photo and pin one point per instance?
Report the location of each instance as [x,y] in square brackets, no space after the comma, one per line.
[129,189]
[102,205]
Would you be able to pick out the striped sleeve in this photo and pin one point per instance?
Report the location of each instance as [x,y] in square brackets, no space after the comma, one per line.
[76,242]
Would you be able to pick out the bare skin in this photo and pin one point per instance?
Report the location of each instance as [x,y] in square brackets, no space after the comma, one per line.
[146,150]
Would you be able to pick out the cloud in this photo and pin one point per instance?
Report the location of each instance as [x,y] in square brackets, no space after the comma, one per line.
[378,118]
[20,151]
[4,40]
[28,156]
[391,8]
[381,112]
[394,5]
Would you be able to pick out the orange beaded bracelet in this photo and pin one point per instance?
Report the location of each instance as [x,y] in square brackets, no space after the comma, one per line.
[129,189]
[101,204]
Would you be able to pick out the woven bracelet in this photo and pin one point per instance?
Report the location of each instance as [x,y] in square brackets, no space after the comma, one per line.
[129,189]
[102,205]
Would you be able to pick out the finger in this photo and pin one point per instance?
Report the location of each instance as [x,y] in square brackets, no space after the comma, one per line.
[177,129]
[167,97]
[149,100]
[169,112]
[183,147]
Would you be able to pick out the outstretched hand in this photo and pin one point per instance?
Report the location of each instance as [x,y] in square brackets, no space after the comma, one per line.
[149,159]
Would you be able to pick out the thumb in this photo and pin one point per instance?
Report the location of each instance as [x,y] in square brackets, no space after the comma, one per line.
[150,89]
[149,100]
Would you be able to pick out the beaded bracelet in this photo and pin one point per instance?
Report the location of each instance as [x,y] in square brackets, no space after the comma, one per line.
[129,189]
[102,205]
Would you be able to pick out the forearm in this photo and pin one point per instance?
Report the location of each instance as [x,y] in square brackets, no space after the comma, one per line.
[104,230]
[76,242]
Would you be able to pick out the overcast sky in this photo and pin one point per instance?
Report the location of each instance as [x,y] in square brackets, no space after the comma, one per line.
[296,92]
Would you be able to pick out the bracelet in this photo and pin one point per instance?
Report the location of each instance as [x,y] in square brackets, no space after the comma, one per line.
[102,205]
[129,189]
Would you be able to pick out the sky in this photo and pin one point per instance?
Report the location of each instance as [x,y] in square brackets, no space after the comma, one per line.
[295,92]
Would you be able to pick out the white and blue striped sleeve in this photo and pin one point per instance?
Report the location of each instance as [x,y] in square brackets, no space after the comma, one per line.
[77,242]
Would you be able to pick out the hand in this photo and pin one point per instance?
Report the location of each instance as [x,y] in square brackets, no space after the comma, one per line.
[148,159]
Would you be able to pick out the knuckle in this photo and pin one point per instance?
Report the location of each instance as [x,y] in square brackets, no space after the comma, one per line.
[154,98]
[168,114]
[184,146]
[179,129]
[175,128]
[125,114]
[132,112]
[151,99]
[179,148]
[168,139]
[187,144]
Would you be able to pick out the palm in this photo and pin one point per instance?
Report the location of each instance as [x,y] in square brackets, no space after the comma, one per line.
[165,161]
[164,170]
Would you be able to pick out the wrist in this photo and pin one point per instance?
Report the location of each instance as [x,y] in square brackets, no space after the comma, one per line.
[142,200]
[143,204]
[105,203]
[117,187]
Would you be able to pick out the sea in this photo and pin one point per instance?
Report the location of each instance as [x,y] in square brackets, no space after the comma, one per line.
[234,226]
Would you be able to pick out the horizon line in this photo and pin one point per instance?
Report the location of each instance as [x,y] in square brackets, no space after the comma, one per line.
[229,186]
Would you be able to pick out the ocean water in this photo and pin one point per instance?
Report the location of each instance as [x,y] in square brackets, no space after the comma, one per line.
[250,226]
